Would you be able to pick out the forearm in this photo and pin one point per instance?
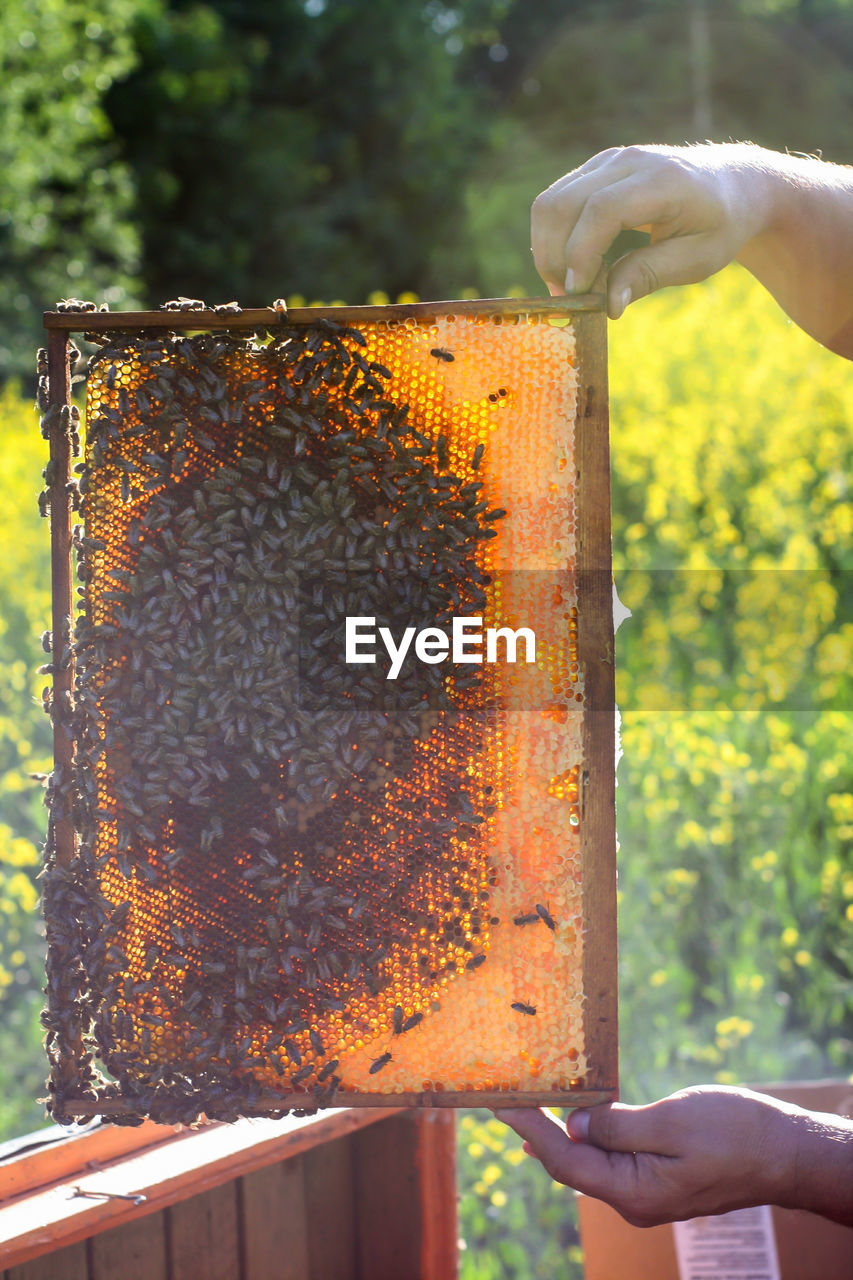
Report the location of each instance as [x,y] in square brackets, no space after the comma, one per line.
[804,252]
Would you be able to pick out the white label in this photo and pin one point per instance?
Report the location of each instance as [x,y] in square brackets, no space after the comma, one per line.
[732,1246]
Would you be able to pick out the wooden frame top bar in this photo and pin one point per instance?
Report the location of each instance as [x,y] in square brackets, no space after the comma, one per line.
[269,318]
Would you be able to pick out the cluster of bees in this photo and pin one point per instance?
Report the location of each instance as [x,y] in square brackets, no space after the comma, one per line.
[237,884]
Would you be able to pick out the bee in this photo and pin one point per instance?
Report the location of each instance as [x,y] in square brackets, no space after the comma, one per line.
[475,961]
[520,1007]
[532,917]
[316,1041]
[478,457]
[327,1070]
[441,354]
[545,915]
[398,1019]
[293,1053]
[412,1022]
[379,1063]
[302,1074]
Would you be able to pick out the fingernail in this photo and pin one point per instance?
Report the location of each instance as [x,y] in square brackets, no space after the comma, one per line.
[577,1125]
[570,281]
[624,298]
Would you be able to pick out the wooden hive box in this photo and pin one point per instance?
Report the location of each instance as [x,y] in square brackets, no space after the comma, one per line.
[291,860]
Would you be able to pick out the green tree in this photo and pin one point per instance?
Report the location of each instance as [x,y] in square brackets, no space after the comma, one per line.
[66,222]
[298,147]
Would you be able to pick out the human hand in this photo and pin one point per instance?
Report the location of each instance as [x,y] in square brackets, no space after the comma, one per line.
[701,203]
[787,218]
[701,1151]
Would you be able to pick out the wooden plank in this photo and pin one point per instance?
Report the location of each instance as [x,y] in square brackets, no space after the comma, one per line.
[274,1223]
[135,1251]
[203,1236]
[405,1197]
[67,1264]
[330,1212]
[193,1162]
[387,1200]
[436,1164]
[595,644]
[252,318]
[77,1153]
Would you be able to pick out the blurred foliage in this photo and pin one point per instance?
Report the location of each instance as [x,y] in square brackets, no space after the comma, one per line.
[732,441]
[579,78]
[342,148]
[67,220]
[344,128]
[25,748]
[733,544]
[330,148]
[514,1220]
[732,445]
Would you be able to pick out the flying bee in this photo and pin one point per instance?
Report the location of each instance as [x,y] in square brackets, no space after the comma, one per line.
[545,915]
[520,1007]
[379,1063]
[441,354]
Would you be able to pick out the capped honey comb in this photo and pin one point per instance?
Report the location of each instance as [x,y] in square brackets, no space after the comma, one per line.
[277,878]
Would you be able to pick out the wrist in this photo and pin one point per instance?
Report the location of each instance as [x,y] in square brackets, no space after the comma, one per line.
[823,1173]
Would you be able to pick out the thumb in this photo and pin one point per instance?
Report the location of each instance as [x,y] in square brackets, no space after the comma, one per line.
[676,260]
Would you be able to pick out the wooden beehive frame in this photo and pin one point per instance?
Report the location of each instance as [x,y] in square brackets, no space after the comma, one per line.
[595,643]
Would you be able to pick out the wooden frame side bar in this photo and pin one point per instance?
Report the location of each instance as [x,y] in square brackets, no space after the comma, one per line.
[59,400]
[595,644]
[268,317]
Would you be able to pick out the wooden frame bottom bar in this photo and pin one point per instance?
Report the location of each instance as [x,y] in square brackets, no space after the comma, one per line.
[86,1108]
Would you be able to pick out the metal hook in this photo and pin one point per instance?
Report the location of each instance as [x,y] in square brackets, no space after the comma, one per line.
[137,1197]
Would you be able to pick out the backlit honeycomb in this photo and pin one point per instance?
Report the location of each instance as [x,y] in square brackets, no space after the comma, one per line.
[312,881]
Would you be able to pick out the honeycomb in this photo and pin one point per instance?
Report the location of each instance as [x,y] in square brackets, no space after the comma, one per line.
[298,879]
